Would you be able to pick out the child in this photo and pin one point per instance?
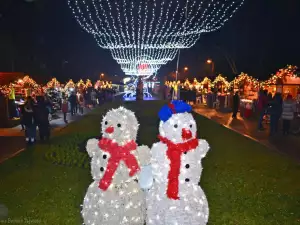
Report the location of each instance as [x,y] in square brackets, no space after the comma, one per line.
[65,109]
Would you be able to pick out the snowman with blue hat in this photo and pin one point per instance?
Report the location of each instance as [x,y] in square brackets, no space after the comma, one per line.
[174,196]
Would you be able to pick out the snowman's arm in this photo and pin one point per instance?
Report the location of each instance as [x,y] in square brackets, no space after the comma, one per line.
[143,155]
[92,147]
[203,147]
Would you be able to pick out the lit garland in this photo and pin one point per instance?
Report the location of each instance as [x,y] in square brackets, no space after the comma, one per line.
[88,83]
[25,84]
[222,82]
[69,85]
[53,83]
[80,84]
[150,32]
[103,84]
[280,76]
[114,197]
[175,196]
[243,79]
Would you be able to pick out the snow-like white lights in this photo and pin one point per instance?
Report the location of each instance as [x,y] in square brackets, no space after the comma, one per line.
[118,203]
[142,32]
[192,207]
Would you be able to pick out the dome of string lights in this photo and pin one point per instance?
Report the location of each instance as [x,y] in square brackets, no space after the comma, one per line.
[148,33]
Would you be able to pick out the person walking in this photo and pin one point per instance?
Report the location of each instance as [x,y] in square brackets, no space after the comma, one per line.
[42,118]
[29,121]
[80,103]
[288,111]
[236,104]
[275,113]
[261,108]
[65,109]
[73,102]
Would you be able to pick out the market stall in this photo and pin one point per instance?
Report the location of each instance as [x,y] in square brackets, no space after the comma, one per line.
[68,88]
[285,81]
[14,94]
[54,92]
[248,88]
[220,86]
[88,84]
[206,96]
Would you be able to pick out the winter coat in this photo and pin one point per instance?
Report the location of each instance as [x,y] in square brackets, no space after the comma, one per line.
[236,102]
[42,115]
[29,118]
[288,110]
[73,100]
[276,106]
[262,102]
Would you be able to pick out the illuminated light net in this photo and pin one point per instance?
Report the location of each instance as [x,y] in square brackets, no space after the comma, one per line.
[151,31]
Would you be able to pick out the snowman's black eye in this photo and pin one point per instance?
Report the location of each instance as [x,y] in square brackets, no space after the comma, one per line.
[175,125]
[106,123]
[191,126]
[119,125]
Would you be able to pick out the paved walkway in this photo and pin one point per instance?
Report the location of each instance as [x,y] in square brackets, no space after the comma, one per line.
[288,145]
[13,142]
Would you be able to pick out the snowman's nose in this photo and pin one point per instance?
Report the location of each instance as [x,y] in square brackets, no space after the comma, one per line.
[109,130]
[186,134]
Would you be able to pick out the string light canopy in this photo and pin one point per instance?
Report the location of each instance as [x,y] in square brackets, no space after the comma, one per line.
[141,32]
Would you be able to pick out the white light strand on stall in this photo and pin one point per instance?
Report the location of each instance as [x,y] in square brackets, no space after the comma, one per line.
[150,30]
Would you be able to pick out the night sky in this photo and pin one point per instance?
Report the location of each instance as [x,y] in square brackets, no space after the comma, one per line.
[45,41]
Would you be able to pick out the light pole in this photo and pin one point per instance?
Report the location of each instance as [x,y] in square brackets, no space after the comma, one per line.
[210,62]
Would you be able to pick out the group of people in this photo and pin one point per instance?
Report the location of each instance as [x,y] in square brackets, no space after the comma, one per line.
[274,107]
[35,114]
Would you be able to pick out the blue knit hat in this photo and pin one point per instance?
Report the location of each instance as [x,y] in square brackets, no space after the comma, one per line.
[174,107]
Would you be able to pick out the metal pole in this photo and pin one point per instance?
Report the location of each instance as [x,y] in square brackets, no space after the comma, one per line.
[178,58]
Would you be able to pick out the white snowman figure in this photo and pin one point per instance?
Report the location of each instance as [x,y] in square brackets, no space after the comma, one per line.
[175,198]
[115,197]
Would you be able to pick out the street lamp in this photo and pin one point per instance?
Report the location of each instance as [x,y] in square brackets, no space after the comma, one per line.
[101,75]
[186,69]
[209,61]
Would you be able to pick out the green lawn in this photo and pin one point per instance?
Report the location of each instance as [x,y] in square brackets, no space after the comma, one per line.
[245,183]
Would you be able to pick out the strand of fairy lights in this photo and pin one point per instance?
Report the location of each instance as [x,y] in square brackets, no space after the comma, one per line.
[156,29]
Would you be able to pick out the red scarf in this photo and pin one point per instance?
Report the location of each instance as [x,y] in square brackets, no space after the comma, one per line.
[174,153]
[117,153]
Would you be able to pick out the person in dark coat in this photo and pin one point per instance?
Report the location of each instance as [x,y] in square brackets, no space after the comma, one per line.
[29,120]
[73,103]
[236,104]
[275,113]
[42,118]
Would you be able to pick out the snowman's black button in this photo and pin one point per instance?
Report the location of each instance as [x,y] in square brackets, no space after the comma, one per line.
[101,169]
[187,166]
[104,156]
[185,152]
[187,179]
